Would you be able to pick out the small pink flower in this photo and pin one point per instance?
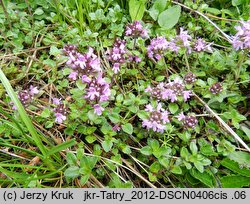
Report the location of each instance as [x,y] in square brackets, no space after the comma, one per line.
[181,116]
[116,128]
[73,75]
[56,101]
[33,90]
[59,117]
[98,109]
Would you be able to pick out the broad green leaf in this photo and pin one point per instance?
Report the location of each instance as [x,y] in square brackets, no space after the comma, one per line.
[173,107]
[246,131]
[164,161]
[90,139]
[176,170]
[199,166]
[204,177]
[128,128]
[234,181]
[114,117]
[71,159]
[155,167]
[72,172]
[84,179]
[45,113]
[107,145]
[38,12]
[147,150]
[237,2]
[159,78]
[136,9]
[193,148]
[242,158]
[234,166]
[54,51]
[170,17]
[157,8]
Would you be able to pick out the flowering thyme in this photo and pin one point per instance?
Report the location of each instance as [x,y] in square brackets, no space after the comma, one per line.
[117,54]
[188,121]
[81,64]
[135,29]
[242,38]
[157,119]
[169,91]
[157,48]
[60,111]
[189,78]
[216,88]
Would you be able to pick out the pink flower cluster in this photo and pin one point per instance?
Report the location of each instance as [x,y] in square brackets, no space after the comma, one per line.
[159,45]
[97,91]
[242,38]
[81,64]
[87,67]
[169,91]
[189,121]
[157,119]
[60,111]
[157,48]
[117,54]
[26,96]
[135,29]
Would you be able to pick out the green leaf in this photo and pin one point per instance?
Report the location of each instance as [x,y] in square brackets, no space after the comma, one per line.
[193,148]
[107,145]
[155,167]
[45,113]
[71,159]
[199,166]
[173,107]
[61,147]
[213,11]
[38,12]
[204,177]
[72,172]
[164,161]
[159,78]
[90,139]
[237,2]
[242,158]
[234,181]
[147,150]
[54,51]
[157,8]
[154,144]
[128,128]
[136,9]
[234,166]
[168,18]
[176,170]
[114,117]
[84,179]
[246,131]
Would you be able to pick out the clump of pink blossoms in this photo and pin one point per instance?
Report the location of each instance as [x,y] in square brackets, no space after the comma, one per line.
[242,38]
[117,54]
[188,121]
[136,29]
[157,119]
[169,91]
[87,67]
[26,96]
[60,111]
